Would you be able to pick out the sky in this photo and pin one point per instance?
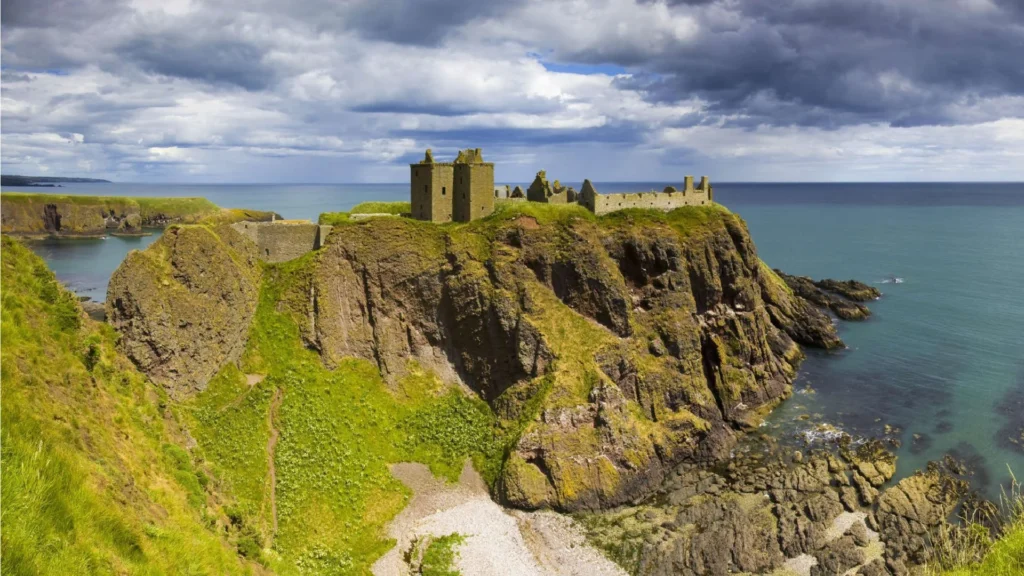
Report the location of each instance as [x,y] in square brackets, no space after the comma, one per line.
[611,90]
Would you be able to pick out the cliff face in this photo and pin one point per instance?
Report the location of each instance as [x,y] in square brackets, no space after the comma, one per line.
[184,305]
[611,348]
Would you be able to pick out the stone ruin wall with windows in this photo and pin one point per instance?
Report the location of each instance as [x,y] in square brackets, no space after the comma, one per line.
[457,191]
[668,199]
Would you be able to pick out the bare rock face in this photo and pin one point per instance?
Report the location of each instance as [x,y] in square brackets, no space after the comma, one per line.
[183,306]
[399,292]
[909,512]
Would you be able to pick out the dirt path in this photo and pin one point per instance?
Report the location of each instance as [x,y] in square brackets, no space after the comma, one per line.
[496,541]
[275,403]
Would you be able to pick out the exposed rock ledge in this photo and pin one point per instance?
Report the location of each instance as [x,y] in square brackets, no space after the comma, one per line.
[623,345]
[775,513]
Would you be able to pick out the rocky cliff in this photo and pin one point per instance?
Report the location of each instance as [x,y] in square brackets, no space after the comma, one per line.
[611,348]
[184,305]
[66,215]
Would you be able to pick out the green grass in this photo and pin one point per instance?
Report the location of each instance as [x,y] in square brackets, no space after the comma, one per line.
[969,550]
[94,477]
[339,431]
[171,207]
[174,207]
[440,554]
[183,210]
[333,218]
[382,208]
[544,213]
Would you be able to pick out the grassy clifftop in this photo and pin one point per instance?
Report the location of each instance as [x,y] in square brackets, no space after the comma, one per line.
[95,479]
[74,215]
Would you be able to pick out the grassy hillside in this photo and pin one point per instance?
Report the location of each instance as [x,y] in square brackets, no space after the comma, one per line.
[94,477]
[335,432]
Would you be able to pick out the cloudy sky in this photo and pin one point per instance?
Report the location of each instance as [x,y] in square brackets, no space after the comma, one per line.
[350,91]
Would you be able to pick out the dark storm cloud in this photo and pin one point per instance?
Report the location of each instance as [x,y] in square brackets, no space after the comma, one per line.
[48,13]
[837,62]
[213,60]
[425,22]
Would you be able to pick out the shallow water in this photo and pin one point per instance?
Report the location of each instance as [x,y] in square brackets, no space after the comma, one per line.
[942,357]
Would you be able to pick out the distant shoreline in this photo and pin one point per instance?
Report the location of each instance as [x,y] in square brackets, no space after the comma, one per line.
[45,181]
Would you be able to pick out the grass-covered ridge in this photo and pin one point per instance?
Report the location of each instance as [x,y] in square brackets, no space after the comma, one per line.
[94,477]
[27,213]
[336,433]
[382,208]
[147,206]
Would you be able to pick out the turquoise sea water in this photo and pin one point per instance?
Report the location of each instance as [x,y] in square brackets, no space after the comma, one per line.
[942,357]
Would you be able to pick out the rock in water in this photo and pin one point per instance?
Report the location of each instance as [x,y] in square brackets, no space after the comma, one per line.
[851,289]
[183,306]
[823,294]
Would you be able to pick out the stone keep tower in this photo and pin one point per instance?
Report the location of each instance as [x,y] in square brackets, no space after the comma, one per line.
[474,186]
[431,189]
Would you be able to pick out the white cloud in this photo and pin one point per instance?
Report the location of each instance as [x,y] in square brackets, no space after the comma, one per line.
[226,92]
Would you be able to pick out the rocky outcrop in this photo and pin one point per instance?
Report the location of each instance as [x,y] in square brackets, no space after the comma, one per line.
[184,305]
[617,348]
[834,295]
[909,512]
[768,509]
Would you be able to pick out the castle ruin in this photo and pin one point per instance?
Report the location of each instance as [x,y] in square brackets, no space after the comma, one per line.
[668,199]
[541,191]
[458,191]
[463,190]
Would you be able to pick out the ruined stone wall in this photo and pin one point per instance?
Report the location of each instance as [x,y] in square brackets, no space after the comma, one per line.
[431,191]
[605,203]
[542,191]
[474,191]
[283,240]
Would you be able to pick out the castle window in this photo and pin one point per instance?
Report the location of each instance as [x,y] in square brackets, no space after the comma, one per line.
[424,188]
[444,190]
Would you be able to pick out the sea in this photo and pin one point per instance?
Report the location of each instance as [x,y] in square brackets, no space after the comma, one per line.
[938,368]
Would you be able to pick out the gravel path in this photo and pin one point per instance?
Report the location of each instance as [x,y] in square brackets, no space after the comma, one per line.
[497,541]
